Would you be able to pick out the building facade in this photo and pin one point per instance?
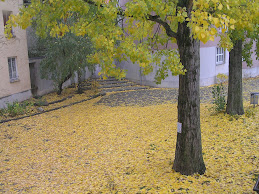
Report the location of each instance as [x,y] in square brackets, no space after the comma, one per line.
[214,60]
[15,82]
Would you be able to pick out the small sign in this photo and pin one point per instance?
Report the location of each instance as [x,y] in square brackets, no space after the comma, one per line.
[179,127]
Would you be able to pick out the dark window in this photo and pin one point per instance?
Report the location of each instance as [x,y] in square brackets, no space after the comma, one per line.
[6,15]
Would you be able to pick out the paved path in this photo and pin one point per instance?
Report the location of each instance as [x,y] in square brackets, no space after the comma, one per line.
[161,95]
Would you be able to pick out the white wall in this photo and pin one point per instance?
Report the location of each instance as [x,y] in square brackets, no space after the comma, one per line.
[45,86]
[208,70]
[251,72]
[14,47]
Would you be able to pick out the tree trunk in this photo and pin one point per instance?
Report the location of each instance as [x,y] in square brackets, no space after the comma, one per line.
[188,154]
[235,97]
[79,80]
[59,88]
[63,81]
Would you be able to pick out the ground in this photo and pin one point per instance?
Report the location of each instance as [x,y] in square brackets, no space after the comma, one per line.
[124,143]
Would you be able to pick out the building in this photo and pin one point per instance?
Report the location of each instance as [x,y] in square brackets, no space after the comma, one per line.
[15,82]
[213,61]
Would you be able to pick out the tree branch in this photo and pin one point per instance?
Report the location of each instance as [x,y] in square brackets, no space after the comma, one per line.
[155,18]
[168,29]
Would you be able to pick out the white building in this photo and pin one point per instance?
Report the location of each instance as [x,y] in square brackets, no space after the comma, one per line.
[213,60]
[15,82]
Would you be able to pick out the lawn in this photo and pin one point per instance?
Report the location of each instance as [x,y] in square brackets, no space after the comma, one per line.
[90,148]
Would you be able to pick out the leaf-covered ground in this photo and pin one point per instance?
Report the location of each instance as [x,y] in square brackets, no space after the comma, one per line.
[94,148]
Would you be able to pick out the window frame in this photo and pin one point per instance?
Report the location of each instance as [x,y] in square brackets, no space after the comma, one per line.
[13,70]
[6,15]
[220,55]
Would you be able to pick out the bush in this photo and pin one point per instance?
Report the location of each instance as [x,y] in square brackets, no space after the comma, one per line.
[40,102]
[221,78]
[218,93]
[2,112]
[219,98]
[17,108]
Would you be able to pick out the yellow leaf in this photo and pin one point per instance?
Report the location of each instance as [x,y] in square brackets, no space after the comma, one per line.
[212,38]
[216,22]
[213,31]
[232,21]
[203,35]
[220,6]
[197,29]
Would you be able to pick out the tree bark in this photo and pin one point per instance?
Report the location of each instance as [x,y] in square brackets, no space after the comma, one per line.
[188,154]
[63,81]
[235,93]
[79,85]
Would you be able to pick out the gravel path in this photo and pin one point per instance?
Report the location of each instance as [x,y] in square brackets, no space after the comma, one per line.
[161,95]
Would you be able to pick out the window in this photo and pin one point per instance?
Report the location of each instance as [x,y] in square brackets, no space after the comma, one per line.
[6,15]
[13,74]
[225,29]
[220,56]
[26,3]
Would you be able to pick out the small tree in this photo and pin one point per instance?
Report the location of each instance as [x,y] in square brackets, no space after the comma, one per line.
[65,56]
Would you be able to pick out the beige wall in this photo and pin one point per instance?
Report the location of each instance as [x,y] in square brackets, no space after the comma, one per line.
[15,47]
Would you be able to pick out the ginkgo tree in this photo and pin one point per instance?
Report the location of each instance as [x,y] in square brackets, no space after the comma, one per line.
[243,37]
[122,30]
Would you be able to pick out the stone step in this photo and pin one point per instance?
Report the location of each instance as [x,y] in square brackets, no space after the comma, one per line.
[105,80]
[113,85]
[88,86]
[117,85]
[113,82]
[125,89]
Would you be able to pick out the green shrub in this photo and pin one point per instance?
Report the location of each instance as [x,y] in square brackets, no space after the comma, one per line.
[17,108]
[40,102]
[2,112]
[221,78]
[218,95]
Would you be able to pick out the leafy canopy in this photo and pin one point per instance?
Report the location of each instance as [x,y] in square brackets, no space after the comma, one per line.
[64,56]
[139,30]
